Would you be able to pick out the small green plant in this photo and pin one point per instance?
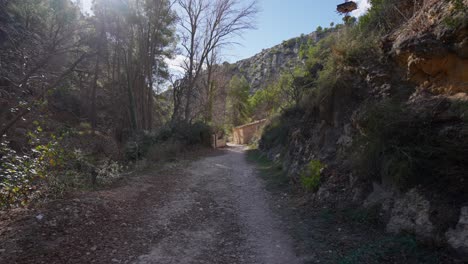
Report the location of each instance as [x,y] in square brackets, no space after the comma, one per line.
[311,175]
[453,22]
[459,5]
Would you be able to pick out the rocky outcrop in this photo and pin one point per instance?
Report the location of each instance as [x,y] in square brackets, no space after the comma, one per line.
[457,238]
[436,55]
[265,67]
[432,52]
[411,213]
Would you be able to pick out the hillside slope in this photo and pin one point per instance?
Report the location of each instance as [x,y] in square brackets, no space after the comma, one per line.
[265,67]
[387,119]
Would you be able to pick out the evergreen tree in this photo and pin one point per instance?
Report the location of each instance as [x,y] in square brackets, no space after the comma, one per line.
[238,100]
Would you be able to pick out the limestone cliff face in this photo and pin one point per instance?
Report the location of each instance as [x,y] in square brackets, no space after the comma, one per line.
[265,67]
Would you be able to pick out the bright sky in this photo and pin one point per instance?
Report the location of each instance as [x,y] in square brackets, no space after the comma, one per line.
[280,20]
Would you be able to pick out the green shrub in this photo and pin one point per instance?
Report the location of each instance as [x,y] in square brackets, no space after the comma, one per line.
[17,176]
[290,43]
[459,5]
[45,168]
[238,100]
[311,175]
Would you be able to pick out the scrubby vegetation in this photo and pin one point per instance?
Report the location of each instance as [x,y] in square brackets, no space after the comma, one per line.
[381,131]
[398,142]
[85,97]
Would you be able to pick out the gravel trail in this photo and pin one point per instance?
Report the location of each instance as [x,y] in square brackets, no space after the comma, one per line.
[220,214]
[211,210]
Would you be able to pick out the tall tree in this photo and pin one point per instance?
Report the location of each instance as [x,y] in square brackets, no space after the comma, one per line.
[139,33]
[238,100]
[204,27]
[113,60]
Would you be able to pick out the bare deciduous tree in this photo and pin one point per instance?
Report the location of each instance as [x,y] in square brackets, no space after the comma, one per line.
[205,26]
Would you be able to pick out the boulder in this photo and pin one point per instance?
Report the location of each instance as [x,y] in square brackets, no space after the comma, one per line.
[457,238]
[411,213]
[379,195]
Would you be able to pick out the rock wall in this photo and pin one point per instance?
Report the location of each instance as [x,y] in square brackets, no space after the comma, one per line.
[429,64]
[435,56]
[265,67]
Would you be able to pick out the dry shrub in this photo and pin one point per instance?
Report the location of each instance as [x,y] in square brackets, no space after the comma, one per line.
[167,150]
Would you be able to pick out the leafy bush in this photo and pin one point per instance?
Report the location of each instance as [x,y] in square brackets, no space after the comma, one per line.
[265,102]
[311,175]
[238,96]
[290,43]
[108,171]
[18,173]
[22,175]
[48,167]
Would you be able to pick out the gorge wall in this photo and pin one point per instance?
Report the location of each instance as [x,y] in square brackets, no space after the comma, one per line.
[419,178]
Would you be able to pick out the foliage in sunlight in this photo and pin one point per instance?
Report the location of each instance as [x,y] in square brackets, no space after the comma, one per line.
[311,175]
[238,100]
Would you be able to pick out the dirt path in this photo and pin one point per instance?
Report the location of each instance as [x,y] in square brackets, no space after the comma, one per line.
[213,210]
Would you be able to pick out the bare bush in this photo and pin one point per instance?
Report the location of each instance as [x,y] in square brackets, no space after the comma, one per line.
[167,150]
